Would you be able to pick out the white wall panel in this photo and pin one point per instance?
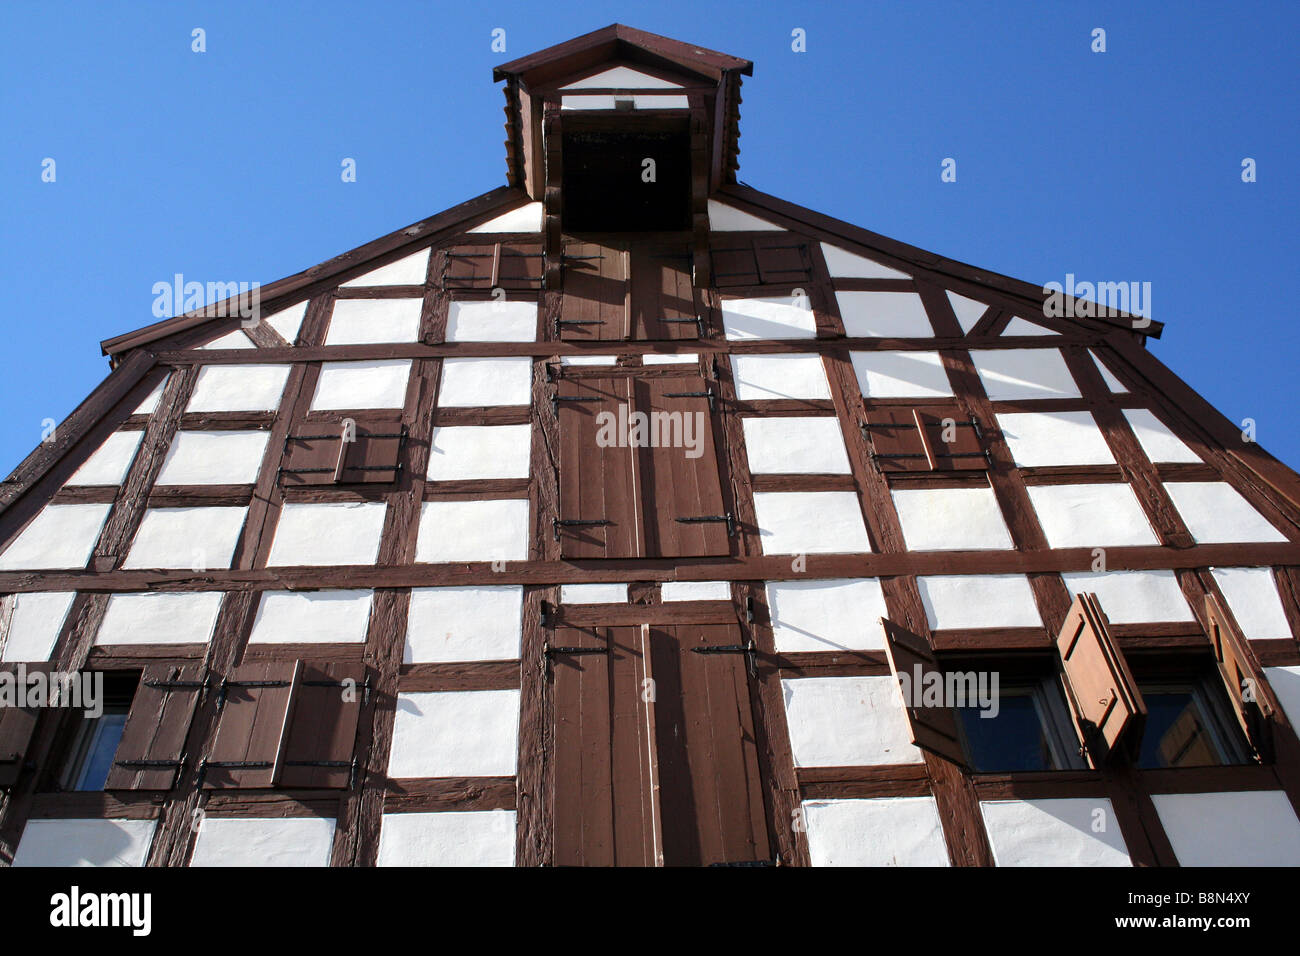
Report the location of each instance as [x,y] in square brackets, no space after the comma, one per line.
[842,264]
[889,374]
[160,617]
[1249,828]
[527,218]
[779,317]
[410,270]
[358,385]
[829,615]
[238,388]
[312,617]
[847,722]
[1216,513]
[884,831]
[1253,599]
[795,446]
[492,530]
[761,377]
[327,532]
[464,624]
[61,536]
[365,321]
[810,522]
[85,843]
[471,733]
[1075,831]
[884,315]
[1133,597]
[257,841]
[479,451]
[474,838]
[480,382]
[214,458]
[1091,516]
[978,600]
[494,321]
[1010,374]
[109,463]
[35,625]
[951,519]
[1054,438]
[196,538]
[1160,444]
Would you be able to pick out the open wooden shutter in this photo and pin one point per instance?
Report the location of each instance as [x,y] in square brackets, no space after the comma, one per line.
[603,796]
[16,727]
[663,297]
[1243,677]
[1107,704]
[152,749]
[933,728]
[710,785]
[911,439]
[681,496]
[595,305]
[492,265]
[255,710]
[321,740]
[598,512]
[330,453]
[753,260]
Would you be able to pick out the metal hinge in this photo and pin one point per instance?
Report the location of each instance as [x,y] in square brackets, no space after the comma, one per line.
[729,518]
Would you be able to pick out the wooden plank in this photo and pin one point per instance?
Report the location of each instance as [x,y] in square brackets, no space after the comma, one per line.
[598,510]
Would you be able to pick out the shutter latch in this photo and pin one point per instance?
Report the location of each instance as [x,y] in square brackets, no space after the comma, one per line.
[728,518]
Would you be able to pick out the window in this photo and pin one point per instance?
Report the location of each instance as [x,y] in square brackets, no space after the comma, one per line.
[95,739]
[605,180]
[1028,730]
[1187,725]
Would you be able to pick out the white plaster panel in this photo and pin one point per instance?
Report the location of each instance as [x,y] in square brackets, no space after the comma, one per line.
[968,311]
[527,218]
[847,722]
[238,388]
[885,315]
[410,270]
[186,538]
[160,617]
[312,617]
[978,600]
[1112,383]
[235,339]
[951,519]
[1156,439]
[61,536]
[1024,373]
[671,591]
[723,218]
[327,532]
[374,384]
[832,615]
[481,382]
[597,101]
[1054,438]
[214,458]
[35,624]
[776,317]
[108,464]
[621,78]
[810,522]
[593,594]
[890,374]
[363,321]
[85,843]
[474,838]
[1253,599]
[761,377]
[795,446]
[1019,326]
[464,624]
[664,358]
[1055,832]
[479,451]
[588,359]
[1133,597]
[1091,516]
[472,733]
[1285,682]
[842,264]
[257,841]
[885,831]
[491,530]
[288,321]
[1216,513]
[494,321]
[1246,828]
[151,400]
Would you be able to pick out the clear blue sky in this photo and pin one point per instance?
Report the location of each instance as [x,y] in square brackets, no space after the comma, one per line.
[225,165]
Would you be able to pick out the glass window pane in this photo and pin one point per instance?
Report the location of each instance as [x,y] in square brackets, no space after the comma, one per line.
[98,760]
[1013,740]
[1176,733]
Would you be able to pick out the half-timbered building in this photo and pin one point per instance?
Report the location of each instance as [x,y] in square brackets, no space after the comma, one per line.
[628,515]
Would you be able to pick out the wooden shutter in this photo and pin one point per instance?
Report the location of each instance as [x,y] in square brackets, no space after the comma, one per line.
[710,785]
[255,709]
[598,512]
[152,749]
[16,727]
[663,296]
[319,455]
[492,265]
[595,305]
[1243,677]
[320,743]
[681,497]
[911,439]
[603,797]
[933,728]
[778,259]
[1107,704]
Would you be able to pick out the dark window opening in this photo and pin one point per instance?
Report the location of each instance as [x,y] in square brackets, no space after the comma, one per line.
[605,183]
[1187,725]
[94,740]
[1028,730]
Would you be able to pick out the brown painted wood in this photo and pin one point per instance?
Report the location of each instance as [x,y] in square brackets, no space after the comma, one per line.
[156,728]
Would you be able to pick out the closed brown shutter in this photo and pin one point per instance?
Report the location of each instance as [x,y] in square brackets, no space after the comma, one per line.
[603,794]
[912,658]
[663,296]
[778,259]
[911,439]
[318,454]
[152,748]
[255,710]
[510,265]
[710,785]
[319,746]
[16,727]
[595,303]
[1107,704]
[598,512]
[681,496]
[1243,677]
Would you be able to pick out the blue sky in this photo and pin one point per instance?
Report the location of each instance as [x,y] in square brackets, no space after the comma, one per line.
[224,165]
